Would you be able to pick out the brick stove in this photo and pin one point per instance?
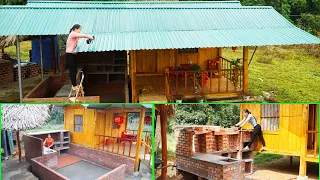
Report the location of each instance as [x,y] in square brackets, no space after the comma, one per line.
[212,152]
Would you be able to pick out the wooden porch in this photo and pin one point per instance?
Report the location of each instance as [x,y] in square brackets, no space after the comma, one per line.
[165,75]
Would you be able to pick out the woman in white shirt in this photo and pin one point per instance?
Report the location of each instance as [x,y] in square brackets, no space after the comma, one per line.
[248,117]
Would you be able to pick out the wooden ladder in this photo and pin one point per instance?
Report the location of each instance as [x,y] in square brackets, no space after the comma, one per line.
[74,95]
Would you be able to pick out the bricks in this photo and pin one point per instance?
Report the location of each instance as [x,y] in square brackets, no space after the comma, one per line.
[117,173]
[184,143]
[213,140]
[50,160]
[102,158]
[27,71]
[224,171]
[33,147]
[6,72]
[43,172]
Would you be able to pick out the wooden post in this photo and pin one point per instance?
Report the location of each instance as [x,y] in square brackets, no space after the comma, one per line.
[219,67]
[291,160]
[53,59]
[245,69]
[139,138]
[132,58]
[303,142]
[19,145]
[163,122]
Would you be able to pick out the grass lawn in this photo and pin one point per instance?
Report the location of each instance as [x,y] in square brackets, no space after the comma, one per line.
[261,158]
[47,127]
[292,72]
[25,46]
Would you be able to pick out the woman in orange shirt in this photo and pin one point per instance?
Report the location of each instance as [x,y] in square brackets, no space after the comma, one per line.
[48,142]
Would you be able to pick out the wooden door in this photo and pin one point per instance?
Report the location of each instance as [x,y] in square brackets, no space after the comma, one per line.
[146,61]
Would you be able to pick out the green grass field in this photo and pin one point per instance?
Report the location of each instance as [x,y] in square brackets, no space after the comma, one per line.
[292,72]
[24,53]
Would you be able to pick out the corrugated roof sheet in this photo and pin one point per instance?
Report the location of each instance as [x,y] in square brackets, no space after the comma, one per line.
[197,39]
[135,3]
[118,28]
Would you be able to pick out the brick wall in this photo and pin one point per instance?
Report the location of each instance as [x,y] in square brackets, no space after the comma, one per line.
[117,173]
[6,72]
[27,71]
[184,139]
[43,172]
[50,160]
[33,147]
[102,158]
[215,171]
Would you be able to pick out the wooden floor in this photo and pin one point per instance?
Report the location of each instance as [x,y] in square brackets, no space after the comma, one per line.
[154,87]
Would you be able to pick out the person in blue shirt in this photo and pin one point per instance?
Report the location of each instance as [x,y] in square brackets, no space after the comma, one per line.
[248,117]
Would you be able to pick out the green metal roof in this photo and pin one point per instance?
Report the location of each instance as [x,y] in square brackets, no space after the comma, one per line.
[135,3]
[133,28]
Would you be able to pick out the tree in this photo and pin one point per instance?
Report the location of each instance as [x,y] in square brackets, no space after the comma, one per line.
[225,115]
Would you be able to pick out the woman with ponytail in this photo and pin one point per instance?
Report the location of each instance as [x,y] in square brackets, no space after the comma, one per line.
[72,43]
[248,117]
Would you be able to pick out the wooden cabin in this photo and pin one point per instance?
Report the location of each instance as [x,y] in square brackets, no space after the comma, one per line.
[93,126]
[288,129]
[175,56]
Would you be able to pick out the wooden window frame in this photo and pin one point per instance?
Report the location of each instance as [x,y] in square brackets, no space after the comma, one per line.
[74,124]
[276,116]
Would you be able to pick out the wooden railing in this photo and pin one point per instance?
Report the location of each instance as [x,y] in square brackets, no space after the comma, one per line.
[116,145]
[228,79]
[144,133]
[147,150]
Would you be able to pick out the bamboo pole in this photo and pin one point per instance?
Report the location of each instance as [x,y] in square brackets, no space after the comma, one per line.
[139,137]
[163,121]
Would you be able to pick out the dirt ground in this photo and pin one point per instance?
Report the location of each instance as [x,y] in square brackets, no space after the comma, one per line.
[12,169]
[10,92]
[274,170]
[281,169]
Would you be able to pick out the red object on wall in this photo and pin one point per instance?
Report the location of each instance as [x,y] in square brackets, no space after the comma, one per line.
[107,142]
[118,120]
[234,48]
[148,119]
[213,64]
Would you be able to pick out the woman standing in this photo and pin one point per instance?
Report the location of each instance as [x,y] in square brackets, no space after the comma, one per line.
[72,43]
[248,117]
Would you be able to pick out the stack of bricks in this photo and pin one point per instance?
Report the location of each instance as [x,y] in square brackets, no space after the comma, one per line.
[6,71]
[184,142]
[27,71]
[206,170]
[223,142]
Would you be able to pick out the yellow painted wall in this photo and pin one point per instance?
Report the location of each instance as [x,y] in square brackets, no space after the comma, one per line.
[94,122]
[155,61]
[87,137]
[287,139]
